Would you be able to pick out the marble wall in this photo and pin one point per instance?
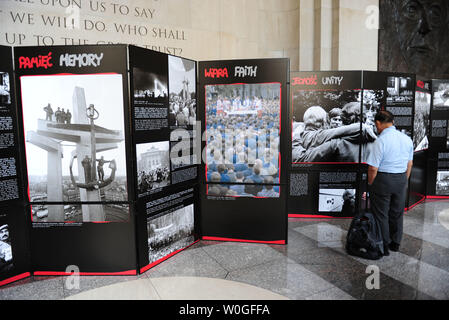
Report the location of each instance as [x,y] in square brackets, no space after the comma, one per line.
[314,34]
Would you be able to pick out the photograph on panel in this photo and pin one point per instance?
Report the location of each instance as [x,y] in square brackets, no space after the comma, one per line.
[170,232]
[337,200]
[5,91]
[75,139]
[77,213]
[182,93]
[242,127]
[421,124]
[267,190]
[400,90]
[153,167]
[372,103]
[6,259]
[442,185]
[326,126]
[149,87]
[441,95]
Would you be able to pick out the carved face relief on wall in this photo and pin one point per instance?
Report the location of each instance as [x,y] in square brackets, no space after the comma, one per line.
[414,37]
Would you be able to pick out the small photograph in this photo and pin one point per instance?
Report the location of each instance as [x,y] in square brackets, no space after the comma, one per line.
[337,200]
[182,92]
[181,154]
[441,96]
[5,96]
[400,90]
[326,125]
[153,166]
[149,87]
[244,190]
[6,263]
[170,232]
[80,213]
[421,124]
[442,185]
[243,125]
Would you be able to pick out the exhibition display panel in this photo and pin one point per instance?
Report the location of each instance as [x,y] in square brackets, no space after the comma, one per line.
[14,238]
[243,112]
[438,154]
[332,123]
[164,114]
[421,134]
[74,111]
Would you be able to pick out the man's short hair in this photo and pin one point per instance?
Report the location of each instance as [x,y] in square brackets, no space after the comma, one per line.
[384,116]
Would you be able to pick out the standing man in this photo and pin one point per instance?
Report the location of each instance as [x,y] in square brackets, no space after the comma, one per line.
[390,164]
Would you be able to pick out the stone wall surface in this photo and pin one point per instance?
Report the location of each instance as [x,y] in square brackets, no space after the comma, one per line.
[314,34]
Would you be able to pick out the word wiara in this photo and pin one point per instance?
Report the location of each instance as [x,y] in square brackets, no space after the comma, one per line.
[80,60]
[36,62]
[216,73]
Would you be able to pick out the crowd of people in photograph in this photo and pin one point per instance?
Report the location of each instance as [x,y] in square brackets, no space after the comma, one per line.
[334,136]
[152,179]
[243,146]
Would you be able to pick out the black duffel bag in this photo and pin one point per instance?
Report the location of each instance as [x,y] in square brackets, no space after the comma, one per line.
[364,238]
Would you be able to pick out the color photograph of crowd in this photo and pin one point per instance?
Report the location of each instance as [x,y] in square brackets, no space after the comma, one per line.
[242,126]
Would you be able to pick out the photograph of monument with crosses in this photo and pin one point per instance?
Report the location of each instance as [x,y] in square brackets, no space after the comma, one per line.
[75,147]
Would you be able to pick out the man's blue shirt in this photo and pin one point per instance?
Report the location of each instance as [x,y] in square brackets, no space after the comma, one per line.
[391,151]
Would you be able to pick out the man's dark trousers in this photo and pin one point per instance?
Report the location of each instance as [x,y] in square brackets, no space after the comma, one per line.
[387,201]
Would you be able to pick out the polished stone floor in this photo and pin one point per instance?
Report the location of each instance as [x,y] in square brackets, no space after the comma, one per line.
[313,266]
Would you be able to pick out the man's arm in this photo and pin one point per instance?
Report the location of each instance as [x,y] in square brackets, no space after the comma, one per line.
[372,173]
[409,169]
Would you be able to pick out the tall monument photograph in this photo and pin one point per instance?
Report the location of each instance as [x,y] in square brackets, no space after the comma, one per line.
[75,147]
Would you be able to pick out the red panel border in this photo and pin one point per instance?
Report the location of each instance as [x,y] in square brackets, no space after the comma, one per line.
[281,242]
[59,273]
[155,263]
[15,278]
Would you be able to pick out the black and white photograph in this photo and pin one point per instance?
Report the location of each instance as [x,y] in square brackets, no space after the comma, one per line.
[75,142]
[170,232]
[149,87]
[242,126]
[326,125]
[78,213]
[182,86]
[6,259]
[5,89]
[421,124]
[153,167]
[442,185]
[337,200]
[244,190]
[400,90]
[441,96]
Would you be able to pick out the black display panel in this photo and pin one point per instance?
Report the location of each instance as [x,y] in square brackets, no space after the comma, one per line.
[329,130]
[421,134]
[14,231]
[163,108]
[243,173]
[438,157]
[79,174]
[333,131]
